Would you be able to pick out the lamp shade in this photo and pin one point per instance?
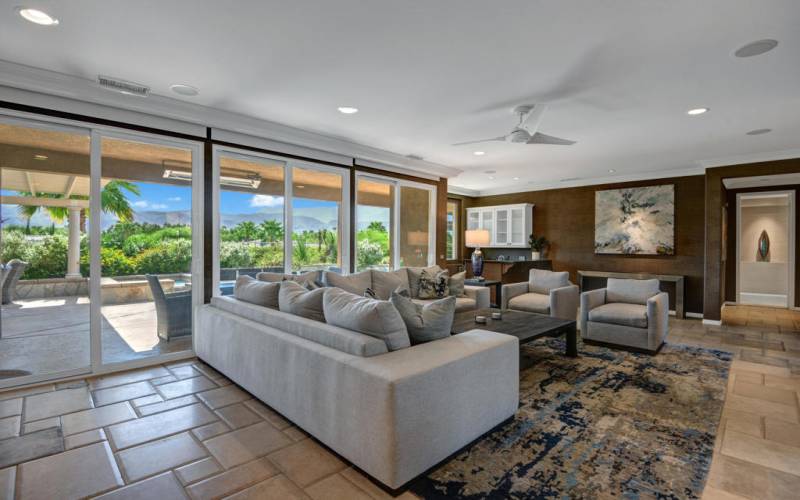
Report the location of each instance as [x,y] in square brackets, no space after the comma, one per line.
[476,238]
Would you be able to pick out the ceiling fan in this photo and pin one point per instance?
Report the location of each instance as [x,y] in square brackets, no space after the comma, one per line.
[527,130]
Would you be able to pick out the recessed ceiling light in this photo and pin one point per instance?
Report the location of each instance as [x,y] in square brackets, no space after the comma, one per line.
[760,131]
[697,111]
[516,178]
[611,170]
[40,157]
[347,110]
[491,177]
[479,153]
[756,48]
[185,90]
[37,16]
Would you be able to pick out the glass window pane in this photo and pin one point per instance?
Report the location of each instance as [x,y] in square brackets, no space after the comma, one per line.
[146,249]
[374,216]
[452,230]
[44,200]
[316,220]
[414,234]
[251,232]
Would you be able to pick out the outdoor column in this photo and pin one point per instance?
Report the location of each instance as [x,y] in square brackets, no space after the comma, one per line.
[74,245]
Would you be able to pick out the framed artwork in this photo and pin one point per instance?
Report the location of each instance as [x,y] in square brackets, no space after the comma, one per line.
[635,221]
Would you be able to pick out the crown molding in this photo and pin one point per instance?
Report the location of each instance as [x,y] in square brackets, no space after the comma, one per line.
[462,191]
[52,83]
[785,154]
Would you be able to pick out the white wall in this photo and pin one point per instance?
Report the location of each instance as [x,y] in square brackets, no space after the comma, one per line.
[770,277]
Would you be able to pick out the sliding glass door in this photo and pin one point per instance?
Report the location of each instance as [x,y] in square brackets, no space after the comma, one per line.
[375,222]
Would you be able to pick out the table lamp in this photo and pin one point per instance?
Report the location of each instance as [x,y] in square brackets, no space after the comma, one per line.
[477,238]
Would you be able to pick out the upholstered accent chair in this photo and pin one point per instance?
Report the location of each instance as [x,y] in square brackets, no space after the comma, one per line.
[545,292]
[628,313]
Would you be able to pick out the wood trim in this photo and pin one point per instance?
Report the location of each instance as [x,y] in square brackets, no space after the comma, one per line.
[395,175]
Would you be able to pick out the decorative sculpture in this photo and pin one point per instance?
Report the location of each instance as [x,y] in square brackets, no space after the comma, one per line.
[763,246]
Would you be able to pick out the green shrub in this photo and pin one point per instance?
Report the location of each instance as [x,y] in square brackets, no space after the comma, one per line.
[235,254]
[47,258]
[113,262]
[173,256]
[371,254]
[13,246]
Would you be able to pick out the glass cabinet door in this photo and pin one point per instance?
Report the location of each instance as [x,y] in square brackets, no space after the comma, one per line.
[473,220]
[517,226]
[501,227]
[487,222]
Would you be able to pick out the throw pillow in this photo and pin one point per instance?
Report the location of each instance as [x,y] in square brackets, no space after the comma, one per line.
[383,282]
[299,278]
[433,286]
[376,318]
[370,294]
[249,289]
[294,298]
[353,283]
[427,322]
[456,284]
[414,274]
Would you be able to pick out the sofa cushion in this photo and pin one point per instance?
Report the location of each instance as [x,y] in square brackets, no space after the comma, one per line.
[256,292]
[462,303]
[385,282]
[432,321]
[414,275]
[456,284]
[354,283]
[531,302]
[630,291]
[376,318]
[331,336]
[433,286]
[620,313]
[542,281]
[294,298]
[311,276]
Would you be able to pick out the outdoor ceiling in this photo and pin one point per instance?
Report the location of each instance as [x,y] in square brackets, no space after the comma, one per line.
[619,75]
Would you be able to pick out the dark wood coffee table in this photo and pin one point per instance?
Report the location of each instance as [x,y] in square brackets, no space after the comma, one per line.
[526,326]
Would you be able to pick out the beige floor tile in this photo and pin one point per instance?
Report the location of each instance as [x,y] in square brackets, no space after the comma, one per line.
[237,416]
[28,391]
[268,414]
[97,417]
[246,444]
[10,407]
[306,462]
[788,383]
[782,432]
[746,376]
[9,426]
[761,451]
[163,380]
[195,471]
[711,493]
[365,484]
[122,393]
[336,487]
[46,423]
[157,456]
[750,480]
[15,450]
[233,480]
[208,431]
[84,438]
[152,427]
[295,433]
[739,364]
[161,487]
[76,473]
[184,371]
[787,413]
[758,391]
[127,377]
[277,488]
[147,400]
[8,477]
[169,404]
[223,396]
[748,423]
[184,387]
[51,404]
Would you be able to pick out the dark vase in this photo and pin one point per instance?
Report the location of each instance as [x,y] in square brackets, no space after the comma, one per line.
[477,263]
[763,245]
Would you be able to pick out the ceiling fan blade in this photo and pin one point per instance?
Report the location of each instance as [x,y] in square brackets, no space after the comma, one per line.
[539,138]
[501,138]
[533,119]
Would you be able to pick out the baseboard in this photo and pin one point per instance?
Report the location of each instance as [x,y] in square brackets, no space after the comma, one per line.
[694,315]
[712,322]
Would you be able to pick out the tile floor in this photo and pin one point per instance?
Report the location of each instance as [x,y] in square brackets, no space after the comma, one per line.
[184,430]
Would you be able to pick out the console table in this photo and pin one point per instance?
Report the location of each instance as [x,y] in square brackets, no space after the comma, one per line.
[680,312]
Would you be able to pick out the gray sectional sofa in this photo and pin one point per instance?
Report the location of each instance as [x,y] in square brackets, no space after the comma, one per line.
[392,413]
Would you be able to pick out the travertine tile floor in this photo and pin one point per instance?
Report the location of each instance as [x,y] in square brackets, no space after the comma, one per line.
[184,430]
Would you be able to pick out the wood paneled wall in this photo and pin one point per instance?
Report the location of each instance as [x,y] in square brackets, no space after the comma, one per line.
[566,218]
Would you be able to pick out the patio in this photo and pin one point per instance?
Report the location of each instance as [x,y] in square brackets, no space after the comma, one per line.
[52,334]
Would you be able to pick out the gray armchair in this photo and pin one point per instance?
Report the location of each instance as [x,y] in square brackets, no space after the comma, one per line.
[545,292]
[173,310]
[628,313]
[12,273]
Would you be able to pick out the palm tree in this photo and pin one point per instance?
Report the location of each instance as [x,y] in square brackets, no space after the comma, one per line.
[271,231]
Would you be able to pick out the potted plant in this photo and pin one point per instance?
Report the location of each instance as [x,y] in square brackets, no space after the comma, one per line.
[537,244]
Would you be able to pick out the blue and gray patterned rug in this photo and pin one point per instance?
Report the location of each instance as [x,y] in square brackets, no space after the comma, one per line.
[609,424]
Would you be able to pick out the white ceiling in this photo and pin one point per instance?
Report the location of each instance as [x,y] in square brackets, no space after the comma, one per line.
[619,75]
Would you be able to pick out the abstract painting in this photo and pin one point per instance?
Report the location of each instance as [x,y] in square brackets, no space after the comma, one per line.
[635,221]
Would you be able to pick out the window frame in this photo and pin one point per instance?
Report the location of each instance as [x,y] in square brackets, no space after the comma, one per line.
[456,255]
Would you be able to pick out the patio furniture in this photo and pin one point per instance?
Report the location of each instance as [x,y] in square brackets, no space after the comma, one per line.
[545,292]
[627,313]
[173,310]
[13,271]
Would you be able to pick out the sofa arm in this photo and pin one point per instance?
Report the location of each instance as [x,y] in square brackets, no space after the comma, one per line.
[513,290]
[590,300]
[564,302]
[480,294]
[428,401]
[657,320]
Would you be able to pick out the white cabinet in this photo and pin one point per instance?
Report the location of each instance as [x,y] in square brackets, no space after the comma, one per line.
[509,225]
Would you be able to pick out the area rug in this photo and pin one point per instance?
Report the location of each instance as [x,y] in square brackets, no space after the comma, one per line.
[609,424]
